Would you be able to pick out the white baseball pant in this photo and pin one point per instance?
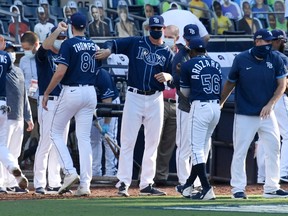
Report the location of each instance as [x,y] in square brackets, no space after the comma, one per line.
[79,102]
[14,140]
[183,150]
[281,112]
[149,111]
[96,143]
[245,128]
[6,158]
[203,118]
[46,154]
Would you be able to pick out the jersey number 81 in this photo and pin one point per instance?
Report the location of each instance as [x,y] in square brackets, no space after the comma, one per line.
[88,62]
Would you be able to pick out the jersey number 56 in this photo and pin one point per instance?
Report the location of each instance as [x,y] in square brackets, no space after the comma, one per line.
[211,83]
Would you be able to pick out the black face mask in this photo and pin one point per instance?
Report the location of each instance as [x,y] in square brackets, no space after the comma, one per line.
[261,51]
[155,34]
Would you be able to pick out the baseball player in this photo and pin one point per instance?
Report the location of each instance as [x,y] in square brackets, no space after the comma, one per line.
[183,150]
[281,112]
[200,80]
[107,93]
[76,71]
[17,100]
[6,158]
[46,155]
[149,62]
[254,111]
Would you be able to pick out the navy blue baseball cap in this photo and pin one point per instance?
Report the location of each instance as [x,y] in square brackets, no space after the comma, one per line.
[78,20]
[9,44]
[191,31]
[197,43]
[263,34]
[62,34]
[156,21]
[279,34]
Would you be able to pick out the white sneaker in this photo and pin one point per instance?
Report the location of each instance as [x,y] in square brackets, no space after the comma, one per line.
[204,195]
[187,191]
[20,178]
[81,191]
[69,180]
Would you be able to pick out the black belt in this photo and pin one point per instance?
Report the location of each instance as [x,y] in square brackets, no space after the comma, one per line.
[53,98]
[134,90]
[2,98]
[170,100]
[211,101]
[78,85]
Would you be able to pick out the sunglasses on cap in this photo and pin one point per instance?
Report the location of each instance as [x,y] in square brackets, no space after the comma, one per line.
[156,28]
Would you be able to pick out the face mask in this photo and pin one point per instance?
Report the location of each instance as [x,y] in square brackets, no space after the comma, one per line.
[57,44]
[12,56]
[261,51]
[29,53]
[169,42]
[155,34]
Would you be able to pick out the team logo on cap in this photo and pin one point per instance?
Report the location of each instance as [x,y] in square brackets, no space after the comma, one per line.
[192,31]
[156,20]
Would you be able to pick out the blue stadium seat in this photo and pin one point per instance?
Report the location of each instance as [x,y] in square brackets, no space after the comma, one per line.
[136,10]
[30,2]
[30,12]
[57,12]
[5,26]
[6,2]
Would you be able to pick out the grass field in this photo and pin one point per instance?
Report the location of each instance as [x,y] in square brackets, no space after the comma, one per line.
[144,206]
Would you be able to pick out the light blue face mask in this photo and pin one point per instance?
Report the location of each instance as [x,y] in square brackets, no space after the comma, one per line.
[29,53]
[169,42]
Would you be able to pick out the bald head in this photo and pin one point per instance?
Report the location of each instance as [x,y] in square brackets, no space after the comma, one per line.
[171,31]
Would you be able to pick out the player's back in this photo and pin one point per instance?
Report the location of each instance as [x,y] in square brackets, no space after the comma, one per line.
[205,78]
[78,54]
[5,65]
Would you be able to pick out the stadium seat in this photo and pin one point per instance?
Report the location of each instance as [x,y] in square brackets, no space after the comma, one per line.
[57,12]
[5,7]
[6,2]
[206,23]
[136,10]
[264,23]
[30,12]
[4,17]
[234,23]
[30,2]
[5,26]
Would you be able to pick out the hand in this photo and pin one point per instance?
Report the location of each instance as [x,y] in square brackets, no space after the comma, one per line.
[102,54]
[63,26]
[163,77]
[45,101]
[105,128]
[266,110]
[30,126]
